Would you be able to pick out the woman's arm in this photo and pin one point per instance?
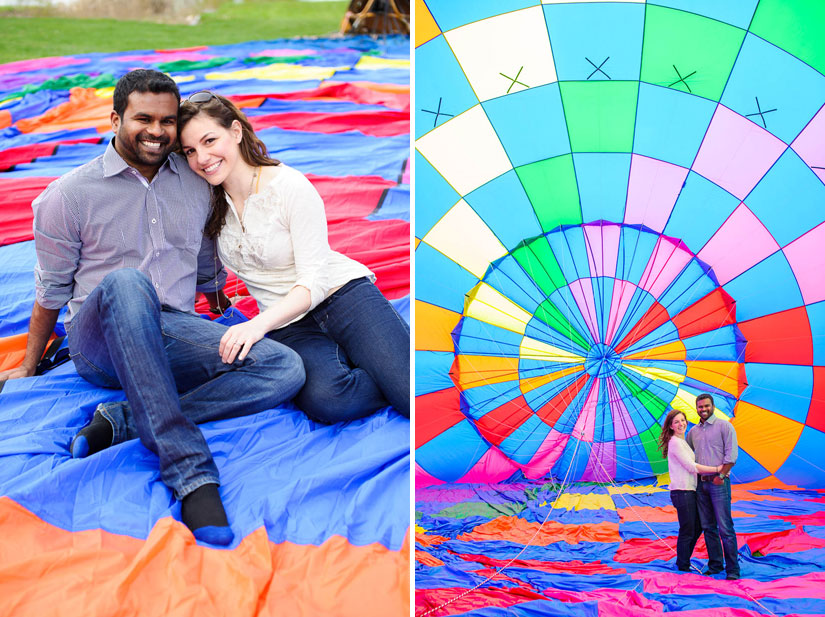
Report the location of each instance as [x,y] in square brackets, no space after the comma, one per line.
[293,304]
[218,302]
[685,458]
[707,468]
[304,215]
[239,339]
[303,210]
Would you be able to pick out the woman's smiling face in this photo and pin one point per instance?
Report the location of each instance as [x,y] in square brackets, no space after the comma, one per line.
[679,424]
[211,150]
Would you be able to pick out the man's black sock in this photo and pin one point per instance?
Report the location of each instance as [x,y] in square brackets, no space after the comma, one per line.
[94,437]
[202,511]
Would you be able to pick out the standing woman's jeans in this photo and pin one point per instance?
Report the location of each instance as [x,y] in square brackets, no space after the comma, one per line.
[356,353]
[689,527]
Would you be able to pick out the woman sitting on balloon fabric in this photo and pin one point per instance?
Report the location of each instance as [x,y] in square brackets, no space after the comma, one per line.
[272,232]
[683,470]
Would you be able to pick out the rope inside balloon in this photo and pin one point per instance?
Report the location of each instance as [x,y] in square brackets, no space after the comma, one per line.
[565,483]
[562,489]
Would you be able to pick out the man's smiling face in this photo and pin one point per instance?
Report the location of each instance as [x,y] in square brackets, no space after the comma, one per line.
[147,132]
[704,408]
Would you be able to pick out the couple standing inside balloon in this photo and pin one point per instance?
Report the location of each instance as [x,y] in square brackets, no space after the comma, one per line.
[126,240]
[699,464]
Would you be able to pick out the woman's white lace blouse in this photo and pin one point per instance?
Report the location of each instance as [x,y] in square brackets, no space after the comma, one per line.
[681,465]
[283,243]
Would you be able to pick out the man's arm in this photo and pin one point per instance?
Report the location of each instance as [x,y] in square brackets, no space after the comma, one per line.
[724,472]
[41,327]
[731,445]
[731,451]
[57,243]
[218,302]
[211,275]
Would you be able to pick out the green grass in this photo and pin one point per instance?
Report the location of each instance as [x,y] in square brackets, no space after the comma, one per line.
[22,38]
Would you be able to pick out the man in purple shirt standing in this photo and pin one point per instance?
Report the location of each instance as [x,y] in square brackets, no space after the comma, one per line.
[120,240]
[714,442]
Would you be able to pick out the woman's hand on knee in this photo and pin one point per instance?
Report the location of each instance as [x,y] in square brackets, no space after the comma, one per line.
[239,339]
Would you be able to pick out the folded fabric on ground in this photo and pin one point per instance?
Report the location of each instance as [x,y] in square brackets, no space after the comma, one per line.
[320,513]
[532,548]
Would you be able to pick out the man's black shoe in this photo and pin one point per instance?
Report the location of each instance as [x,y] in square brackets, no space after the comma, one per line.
[710,572]
[732,577]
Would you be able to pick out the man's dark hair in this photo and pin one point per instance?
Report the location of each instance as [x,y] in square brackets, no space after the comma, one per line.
[142,80]
[705,396]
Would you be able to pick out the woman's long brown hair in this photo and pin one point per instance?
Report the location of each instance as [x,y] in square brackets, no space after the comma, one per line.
[667,430]
[253,150]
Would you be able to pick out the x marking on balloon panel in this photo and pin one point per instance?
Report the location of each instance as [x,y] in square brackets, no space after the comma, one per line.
[681,79]
[437,113]
[760,113]
[598,68]
[514,80]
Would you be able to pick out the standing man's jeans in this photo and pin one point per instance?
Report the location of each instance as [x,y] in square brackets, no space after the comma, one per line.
[356,352]
[689,527]
[167,363]
[715,515]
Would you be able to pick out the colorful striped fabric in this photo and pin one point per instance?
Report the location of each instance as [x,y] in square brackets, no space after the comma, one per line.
[536,547]
[619,206]
[320,513]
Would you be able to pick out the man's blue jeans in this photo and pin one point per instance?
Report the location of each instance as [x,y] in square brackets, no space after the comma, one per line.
[356,352]
[714,513]
[168,365]
[689,527]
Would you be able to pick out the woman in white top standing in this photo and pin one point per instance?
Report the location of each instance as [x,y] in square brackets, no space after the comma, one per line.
[272,232]
[683,470]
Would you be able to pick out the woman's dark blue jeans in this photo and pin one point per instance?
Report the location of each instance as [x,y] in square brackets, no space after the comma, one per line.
[356,353]
[689,527]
